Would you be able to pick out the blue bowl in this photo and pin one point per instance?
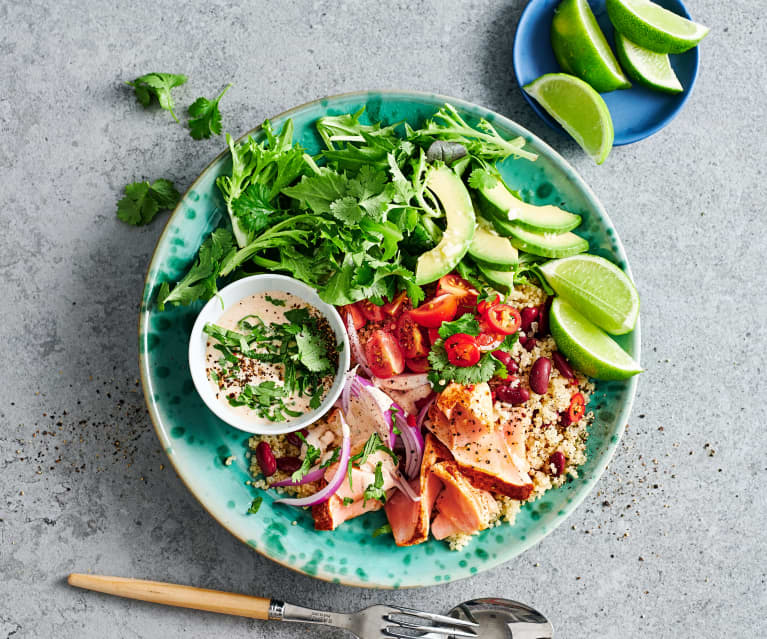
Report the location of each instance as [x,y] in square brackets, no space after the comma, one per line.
[637,112]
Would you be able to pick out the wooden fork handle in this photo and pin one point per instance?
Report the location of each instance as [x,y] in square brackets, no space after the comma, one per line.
[175,595]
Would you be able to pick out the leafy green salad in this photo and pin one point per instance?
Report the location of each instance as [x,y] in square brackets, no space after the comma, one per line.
[351,221]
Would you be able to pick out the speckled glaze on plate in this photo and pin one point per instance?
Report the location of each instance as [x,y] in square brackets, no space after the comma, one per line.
[197,442]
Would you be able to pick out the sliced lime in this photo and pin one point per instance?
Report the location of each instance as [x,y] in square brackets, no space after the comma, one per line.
[588,347]
[652,27]
[581,48]
[647,67]
[597,288]
[579,109]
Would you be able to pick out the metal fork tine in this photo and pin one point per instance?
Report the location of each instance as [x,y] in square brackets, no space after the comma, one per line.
[451,631]
[432,617]
[433,631]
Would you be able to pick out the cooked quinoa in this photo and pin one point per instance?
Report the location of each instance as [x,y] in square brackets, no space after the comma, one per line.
[546,431]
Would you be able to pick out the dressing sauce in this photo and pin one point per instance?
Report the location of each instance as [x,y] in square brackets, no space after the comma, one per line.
[231,379]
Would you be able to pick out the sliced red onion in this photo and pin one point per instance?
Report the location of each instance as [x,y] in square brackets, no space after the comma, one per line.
[335,483]
[347,389]
[404,485]
[424,411]
[405,382]
[313,475]
[413,441]
[354,340]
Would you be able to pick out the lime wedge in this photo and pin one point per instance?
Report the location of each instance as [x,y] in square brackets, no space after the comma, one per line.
[588,347]
[596,288]
[647,67]
[579,109]
[652,27]
[581,48]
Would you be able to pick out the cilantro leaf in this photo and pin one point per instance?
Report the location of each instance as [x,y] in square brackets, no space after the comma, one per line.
[443,372]
[347,210]
[255,505]
[375,491]
[464,324]
[206,118]
[143,201]
[312,455]
[159,85]
[382,530]
[200,280]
[253,209]
[319,191]
[311,351]
[482,179]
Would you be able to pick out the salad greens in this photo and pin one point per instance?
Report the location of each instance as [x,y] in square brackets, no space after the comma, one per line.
[351,221]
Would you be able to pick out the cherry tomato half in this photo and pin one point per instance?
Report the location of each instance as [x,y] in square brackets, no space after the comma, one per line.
[503,318]
[452,284]
[484,305]
[397,305]
[358,318]
[489,341]
[577,408]
[431,314]
[418,365]
[462,350]
[410,337]
[384,354]
[433,334]
[371,311]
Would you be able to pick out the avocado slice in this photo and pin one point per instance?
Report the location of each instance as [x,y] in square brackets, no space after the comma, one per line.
[491,249]
[456,239]
[501,280]
[543,244]
[498,202]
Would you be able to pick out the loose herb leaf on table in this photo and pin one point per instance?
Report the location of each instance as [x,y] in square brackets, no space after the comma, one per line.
[158,85]
[206,118]
[143,201]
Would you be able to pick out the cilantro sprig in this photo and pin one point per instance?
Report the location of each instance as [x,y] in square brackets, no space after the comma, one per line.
[158,85]
[442,372]
[206,117]
[143,201]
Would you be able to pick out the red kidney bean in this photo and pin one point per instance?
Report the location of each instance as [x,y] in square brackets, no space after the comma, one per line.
[514,395]
[529,315]
[539,375]
[558,459]
[294,439]
[506,359]
[288,464]
[530,343]
[265,459]
[563,366]
[543,317]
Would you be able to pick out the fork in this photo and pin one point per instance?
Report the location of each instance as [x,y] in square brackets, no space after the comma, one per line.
[372,622]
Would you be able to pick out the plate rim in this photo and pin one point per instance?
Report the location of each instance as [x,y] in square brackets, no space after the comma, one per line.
[621,418]
[516,55]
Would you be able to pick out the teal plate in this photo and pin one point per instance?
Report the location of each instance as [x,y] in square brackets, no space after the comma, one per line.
[197,442]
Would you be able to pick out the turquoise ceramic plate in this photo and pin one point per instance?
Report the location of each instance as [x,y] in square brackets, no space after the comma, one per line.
[197,443]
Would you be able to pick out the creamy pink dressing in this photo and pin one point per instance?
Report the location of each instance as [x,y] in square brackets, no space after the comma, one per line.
[269,313]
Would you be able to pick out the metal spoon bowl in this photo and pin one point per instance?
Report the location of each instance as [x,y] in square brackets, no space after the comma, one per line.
[503,619]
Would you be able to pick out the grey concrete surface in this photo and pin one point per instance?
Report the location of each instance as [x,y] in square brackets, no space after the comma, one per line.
[672,542]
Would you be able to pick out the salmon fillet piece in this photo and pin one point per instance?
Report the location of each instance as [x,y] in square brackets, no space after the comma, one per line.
[464,420]
[461,506]
[409,520]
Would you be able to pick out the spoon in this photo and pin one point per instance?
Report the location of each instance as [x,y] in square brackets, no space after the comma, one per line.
[502,619]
